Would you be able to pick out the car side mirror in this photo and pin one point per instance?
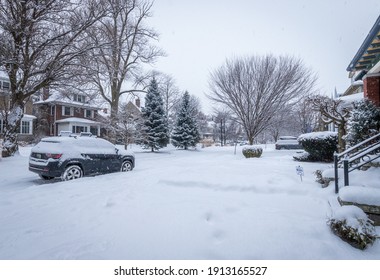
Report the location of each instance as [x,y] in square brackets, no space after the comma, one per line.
[117,150]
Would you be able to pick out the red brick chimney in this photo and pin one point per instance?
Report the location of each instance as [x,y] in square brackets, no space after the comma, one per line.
[45,93]
[138,104]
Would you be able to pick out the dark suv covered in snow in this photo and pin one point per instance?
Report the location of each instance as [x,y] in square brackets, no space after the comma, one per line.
[73,157]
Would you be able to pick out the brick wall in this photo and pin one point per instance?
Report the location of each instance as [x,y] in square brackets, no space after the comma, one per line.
[372,89]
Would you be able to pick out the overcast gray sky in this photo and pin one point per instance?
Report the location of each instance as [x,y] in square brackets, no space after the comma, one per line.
[198,35]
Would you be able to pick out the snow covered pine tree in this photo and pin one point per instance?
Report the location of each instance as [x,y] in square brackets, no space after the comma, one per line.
[185,133]
[155,124]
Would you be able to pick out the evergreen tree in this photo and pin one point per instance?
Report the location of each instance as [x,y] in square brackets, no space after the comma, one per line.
[363,123]
[155,124]
[185,133]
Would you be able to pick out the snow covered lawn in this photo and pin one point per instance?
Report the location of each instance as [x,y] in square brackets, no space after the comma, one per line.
[203,204]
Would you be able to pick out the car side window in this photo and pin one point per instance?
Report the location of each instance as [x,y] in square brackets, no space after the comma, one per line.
[105,147]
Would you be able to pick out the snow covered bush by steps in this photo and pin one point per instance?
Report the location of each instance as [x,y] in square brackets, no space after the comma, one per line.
[320,146]
[323,180]
[352,225]
[252,151]
[363,123]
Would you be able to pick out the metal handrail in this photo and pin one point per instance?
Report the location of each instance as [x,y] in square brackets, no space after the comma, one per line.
[359,151]
[358,145]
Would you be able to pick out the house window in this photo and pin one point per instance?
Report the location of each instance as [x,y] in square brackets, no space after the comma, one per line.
[79,98]
[25,127]
[67,111]
[6,85]
[89,113]
[1,126]
[52,110]
[79,129]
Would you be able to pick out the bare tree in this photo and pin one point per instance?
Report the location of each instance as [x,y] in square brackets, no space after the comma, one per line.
[40,42]
[124,46]
[171,95]
[124,128]
[256,88]
[332,111]
[307,118]
[225,126]
[294,120]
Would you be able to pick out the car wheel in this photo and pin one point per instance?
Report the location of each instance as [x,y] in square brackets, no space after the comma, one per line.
[126,166]
[43,177]
[72,172]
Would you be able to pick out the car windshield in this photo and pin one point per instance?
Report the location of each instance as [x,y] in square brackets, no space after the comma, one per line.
[288,138]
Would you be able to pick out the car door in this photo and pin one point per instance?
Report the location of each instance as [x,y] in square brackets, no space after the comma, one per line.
[110,159]
[91,159]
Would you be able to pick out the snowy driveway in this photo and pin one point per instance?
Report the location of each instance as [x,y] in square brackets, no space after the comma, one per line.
[205,204]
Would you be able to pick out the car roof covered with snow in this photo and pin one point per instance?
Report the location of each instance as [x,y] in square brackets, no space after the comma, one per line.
[76,145]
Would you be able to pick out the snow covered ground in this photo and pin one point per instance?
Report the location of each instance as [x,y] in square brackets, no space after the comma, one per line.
[201,204]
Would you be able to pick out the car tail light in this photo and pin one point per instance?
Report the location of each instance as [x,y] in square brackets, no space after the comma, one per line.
[54,156]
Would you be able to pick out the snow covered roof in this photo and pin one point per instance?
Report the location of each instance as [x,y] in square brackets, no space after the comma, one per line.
[358,83]
[352,97]
[76,120]
[58,98]
[104,112]
[3,75]
[31,117]
[368,51]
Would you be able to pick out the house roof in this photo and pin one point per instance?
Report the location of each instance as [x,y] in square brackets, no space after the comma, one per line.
[29,117]
[352,97]
[77,120]
[369,52]
[57,98]
[3,75]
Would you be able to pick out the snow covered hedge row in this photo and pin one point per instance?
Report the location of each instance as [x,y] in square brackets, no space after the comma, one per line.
[252,151]
[320,146]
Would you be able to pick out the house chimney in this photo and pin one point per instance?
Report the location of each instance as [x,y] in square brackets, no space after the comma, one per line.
[138,102]
[45,93]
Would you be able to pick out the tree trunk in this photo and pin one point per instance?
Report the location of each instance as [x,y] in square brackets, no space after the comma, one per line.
[10,146]
[12,128]
[341,133]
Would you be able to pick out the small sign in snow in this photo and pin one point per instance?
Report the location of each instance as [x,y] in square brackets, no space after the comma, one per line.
[299,170]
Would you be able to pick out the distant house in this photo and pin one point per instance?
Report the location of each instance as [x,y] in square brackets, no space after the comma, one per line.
[73,112]
[365,67]
[26,127]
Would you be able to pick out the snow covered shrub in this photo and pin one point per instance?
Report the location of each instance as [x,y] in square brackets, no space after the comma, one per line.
[320,145]
[252,151]
[363,123]
[302,156]
[352,225]
[324,181]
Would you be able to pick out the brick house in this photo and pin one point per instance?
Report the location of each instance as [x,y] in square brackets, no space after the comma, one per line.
[365,65]
[73,112]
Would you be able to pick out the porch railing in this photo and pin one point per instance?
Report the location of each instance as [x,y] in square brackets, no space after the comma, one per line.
[355,157]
